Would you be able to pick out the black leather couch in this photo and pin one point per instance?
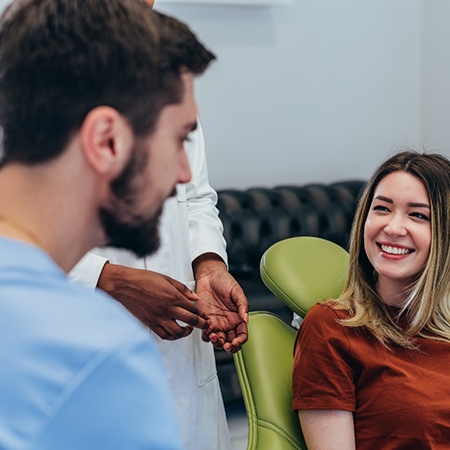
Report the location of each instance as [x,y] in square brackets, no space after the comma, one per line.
[256,218]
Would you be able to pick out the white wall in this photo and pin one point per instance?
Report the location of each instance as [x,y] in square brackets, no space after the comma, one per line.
[320,89]
[436,74]
[314,91]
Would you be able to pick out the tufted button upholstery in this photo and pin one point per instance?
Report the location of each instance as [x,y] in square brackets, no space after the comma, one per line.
[256,218]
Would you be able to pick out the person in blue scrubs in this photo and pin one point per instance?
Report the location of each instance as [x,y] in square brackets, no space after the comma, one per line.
[96,101]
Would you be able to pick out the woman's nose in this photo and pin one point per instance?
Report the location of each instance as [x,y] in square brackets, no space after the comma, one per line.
[395,226]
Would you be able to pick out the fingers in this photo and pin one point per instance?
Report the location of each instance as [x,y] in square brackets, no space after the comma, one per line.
[183,289]
[189,313]
[230,341]
[241,302]
[239,340]
[172,331]
[186,310]
[218,339]
[195,319]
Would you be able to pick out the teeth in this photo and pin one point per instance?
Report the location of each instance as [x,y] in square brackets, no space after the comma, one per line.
[395,250]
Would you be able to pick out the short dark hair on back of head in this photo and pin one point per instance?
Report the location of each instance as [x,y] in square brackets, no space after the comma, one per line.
[59,59]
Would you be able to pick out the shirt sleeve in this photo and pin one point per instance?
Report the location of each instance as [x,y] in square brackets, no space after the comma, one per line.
[323,375]
[120,400]
[205,226]
[87,271]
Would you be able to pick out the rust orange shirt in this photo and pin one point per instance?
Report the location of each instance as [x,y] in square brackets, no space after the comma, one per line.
[400,398]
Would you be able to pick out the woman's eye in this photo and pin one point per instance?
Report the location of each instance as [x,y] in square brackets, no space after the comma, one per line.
[380,208]
[420,216]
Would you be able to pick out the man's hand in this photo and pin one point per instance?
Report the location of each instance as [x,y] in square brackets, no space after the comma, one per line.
[155,299]
[224,301]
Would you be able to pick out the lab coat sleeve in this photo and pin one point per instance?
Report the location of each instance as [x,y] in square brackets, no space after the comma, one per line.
[87,271]
[205,226]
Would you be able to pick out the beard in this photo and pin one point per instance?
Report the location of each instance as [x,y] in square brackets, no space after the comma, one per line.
[141,236]
[123,226]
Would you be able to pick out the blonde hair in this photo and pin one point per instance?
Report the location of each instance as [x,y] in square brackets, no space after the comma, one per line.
[426,312]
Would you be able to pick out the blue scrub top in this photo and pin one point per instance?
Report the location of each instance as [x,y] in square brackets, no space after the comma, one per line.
[77,371]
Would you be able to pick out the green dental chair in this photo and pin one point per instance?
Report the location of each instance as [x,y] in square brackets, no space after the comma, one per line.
[300,271]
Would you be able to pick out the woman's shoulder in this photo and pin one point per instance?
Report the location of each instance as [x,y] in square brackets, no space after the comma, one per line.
[323,322]
[326,317]
[328,310]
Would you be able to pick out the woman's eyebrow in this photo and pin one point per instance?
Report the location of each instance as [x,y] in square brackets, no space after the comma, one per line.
[419,205]
[384,199]
[410,204]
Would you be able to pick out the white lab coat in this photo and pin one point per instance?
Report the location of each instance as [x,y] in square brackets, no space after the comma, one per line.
[190,227]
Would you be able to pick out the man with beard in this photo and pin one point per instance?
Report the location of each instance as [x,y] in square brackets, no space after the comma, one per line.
[96,100]
[155,290]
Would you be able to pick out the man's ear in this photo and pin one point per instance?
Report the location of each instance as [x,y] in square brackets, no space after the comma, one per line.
[106,140]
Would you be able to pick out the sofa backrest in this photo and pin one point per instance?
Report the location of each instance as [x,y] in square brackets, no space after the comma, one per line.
[256,218]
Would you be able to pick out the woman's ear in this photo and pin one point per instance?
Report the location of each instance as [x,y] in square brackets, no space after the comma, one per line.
[107,141]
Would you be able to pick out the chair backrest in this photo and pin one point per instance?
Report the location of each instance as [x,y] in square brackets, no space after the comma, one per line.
[299,271]
[303,270]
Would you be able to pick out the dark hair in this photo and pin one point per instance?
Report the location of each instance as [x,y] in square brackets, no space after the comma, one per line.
[61,58]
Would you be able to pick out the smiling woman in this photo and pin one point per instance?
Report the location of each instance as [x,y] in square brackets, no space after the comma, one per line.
[397,234]
[382,350]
